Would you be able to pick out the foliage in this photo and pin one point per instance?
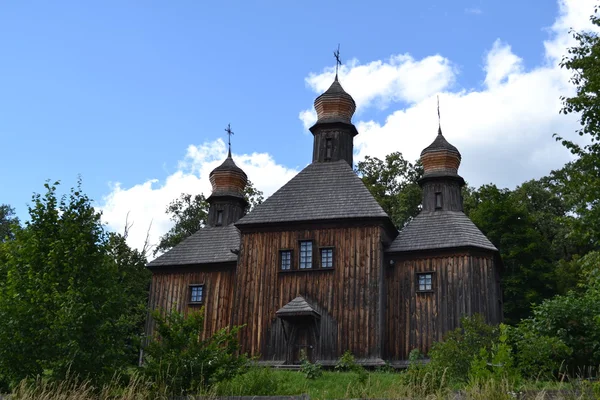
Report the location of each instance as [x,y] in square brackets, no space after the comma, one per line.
[311,370]
[454,355]
[583,61]
[393,183]
[495,363]
[70,293]
[255,381]
[347,362]
[189,214]
[574,319]
[536,356]
[180,359]
[8,222]
[530,226]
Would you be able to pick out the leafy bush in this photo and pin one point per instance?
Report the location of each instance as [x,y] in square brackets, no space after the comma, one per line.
[452,358]
[573,318]
[536,356]
[256,381]
[347,362]
[178,359]
[495,364]
[310,370]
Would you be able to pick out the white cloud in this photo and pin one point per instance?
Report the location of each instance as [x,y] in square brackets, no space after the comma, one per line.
[474,10]
[146,202]
[503,128]
[379,83]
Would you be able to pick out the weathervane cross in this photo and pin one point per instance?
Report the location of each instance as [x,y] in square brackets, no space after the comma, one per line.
[338,61]
[229,133]
[439,118]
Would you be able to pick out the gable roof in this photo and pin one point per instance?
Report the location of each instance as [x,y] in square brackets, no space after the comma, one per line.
[298,307]
[440,229]
[321,191]
[208,245]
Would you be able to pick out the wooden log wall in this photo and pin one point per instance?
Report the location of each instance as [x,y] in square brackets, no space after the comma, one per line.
[348,297]
[171,290]
[463,284]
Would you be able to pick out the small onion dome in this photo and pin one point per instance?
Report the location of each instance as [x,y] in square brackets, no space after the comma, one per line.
[228,179]
[335,104]
[440,157]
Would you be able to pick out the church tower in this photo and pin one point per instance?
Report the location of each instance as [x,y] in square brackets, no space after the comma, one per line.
[440,182]
[227,201]
[334,132]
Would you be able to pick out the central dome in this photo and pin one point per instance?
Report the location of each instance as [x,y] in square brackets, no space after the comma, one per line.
[335,104]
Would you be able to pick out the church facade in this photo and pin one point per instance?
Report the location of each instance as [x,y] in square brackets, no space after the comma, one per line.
[319,268]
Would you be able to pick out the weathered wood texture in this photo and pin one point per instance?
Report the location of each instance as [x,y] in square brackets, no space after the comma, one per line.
[341,145]
[463,284]
[449,190]
[171,290]
[347,297]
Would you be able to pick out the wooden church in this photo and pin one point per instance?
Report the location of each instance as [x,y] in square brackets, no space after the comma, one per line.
[319,266]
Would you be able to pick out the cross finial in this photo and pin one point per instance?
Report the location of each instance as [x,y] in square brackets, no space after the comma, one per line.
[439,118]
[229,133]
[338,61]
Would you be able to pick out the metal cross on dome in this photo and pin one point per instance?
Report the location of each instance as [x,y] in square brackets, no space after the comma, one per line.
[229,133]
[338,61]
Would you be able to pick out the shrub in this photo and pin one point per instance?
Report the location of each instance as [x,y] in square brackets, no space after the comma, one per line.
[347,362]
[256,381]
[454,355]
[310,370]
[495,364]
[181,361]
[536,356]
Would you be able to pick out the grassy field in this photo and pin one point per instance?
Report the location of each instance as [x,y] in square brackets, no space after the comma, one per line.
[331,385]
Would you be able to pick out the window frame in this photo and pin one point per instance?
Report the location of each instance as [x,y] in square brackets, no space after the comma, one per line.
[321,257]
[438,195]
[291,268]
[417,283]
[219,218]
[328,148]
[312,258]
[191,295]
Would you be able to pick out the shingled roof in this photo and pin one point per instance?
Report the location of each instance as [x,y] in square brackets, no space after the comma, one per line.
[208,245]
[298,307]
[440,229]
[321,191]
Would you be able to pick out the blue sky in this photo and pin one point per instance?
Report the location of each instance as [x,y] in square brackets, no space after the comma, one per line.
[137,92]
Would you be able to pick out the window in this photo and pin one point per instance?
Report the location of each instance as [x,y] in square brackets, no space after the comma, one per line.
[306,254]
[196,293]
[425,282]
[328,148]
[285,260]
[219,217]
[327,257]
[438,200]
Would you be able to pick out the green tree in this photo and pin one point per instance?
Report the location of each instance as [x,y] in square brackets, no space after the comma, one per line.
[583,61]
[530,226]
[394,184]
[189,214]
[70,293]
[8,222]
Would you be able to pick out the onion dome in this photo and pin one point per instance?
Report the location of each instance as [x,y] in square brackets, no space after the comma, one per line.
[228,179]
[440,157]
[335,104]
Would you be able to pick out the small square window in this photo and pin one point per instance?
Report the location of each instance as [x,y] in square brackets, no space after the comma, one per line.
[306,254]
[327,258]
[285,260]
[197,294]
[425,282]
